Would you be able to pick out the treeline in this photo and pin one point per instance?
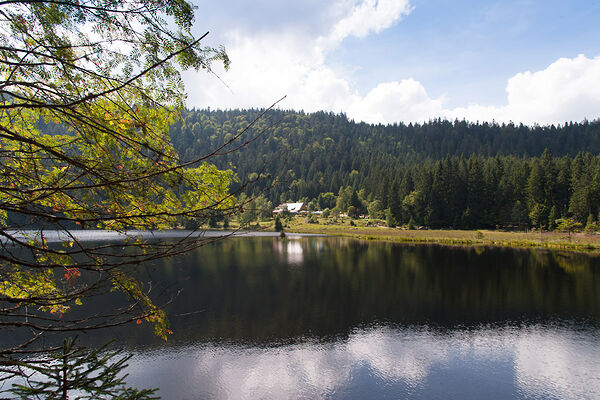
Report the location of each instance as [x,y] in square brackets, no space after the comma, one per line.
[480,192]
[437,174]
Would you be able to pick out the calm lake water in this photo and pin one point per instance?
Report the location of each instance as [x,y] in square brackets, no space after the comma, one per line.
[334,318]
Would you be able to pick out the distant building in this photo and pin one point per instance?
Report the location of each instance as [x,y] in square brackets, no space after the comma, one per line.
[293,208]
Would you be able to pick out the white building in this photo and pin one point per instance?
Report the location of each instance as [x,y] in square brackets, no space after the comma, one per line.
[293,208]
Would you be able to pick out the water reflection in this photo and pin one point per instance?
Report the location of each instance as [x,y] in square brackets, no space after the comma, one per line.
[249,293]
[353,320]
[335,318]
[264,290]
[564,365]
[385,362]
[289,250]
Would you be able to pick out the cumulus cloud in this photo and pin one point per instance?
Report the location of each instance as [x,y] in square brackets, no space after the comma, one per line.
[567,90]
[290,61]
[395,101]
[369,16]
[270,64]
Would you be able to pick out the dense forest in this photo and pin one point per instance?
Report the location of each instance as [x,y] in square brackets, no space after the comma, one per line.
[437,174]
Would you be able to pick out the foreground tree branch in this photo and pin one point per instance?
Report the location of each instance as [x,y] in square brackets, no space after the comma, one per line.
[87,95]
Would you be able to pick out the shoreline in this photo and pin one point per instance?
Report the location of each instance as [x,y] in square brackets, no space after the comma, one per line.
[579,242]
[87,235]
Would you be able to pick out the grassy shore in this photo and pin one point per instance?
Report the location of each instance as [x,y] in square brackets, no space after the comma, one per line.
[582,242]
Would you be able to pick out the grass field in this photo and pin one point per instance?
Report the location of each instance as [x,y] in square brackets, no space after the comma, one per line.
[584,242]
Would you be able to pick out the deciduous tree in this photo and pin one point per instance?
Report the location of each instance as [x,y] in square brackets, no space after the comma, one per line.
[87,95]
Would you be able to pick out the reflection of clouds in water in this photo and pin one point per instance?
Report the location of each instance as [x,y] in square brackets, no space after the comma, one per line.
[290,249]
[547,364]
[289,373]
[558,365]
[299,371]
[305,370]
[395,357]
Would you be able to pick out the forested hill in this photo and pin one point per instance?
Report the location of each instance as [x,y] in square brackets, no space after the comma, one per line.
[323,152]
[435,139]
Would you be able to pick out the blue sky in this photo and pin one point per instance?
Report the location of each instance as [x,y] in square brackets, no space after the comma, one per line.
[401,60]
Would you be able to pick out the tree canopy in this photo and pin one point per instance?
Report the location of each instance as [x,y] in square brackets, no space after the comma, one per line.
[438,174]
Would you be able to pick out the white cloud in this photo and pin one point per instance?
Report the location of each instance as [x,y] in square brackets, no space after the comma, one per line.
[263,69]
[395,101]
[567,90]
[370,16]
[268,65]
[293,62]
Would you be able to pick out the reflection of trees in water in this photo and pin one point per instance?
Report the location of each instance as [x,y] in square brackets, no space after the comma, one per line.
[248,290]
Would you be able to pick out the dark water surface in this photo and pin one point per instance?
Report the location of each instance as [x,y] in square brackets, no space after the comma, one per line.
[335,318]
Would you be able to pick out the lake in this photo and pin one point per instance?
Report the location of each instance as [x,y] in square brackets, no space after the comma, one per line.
[315,317]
